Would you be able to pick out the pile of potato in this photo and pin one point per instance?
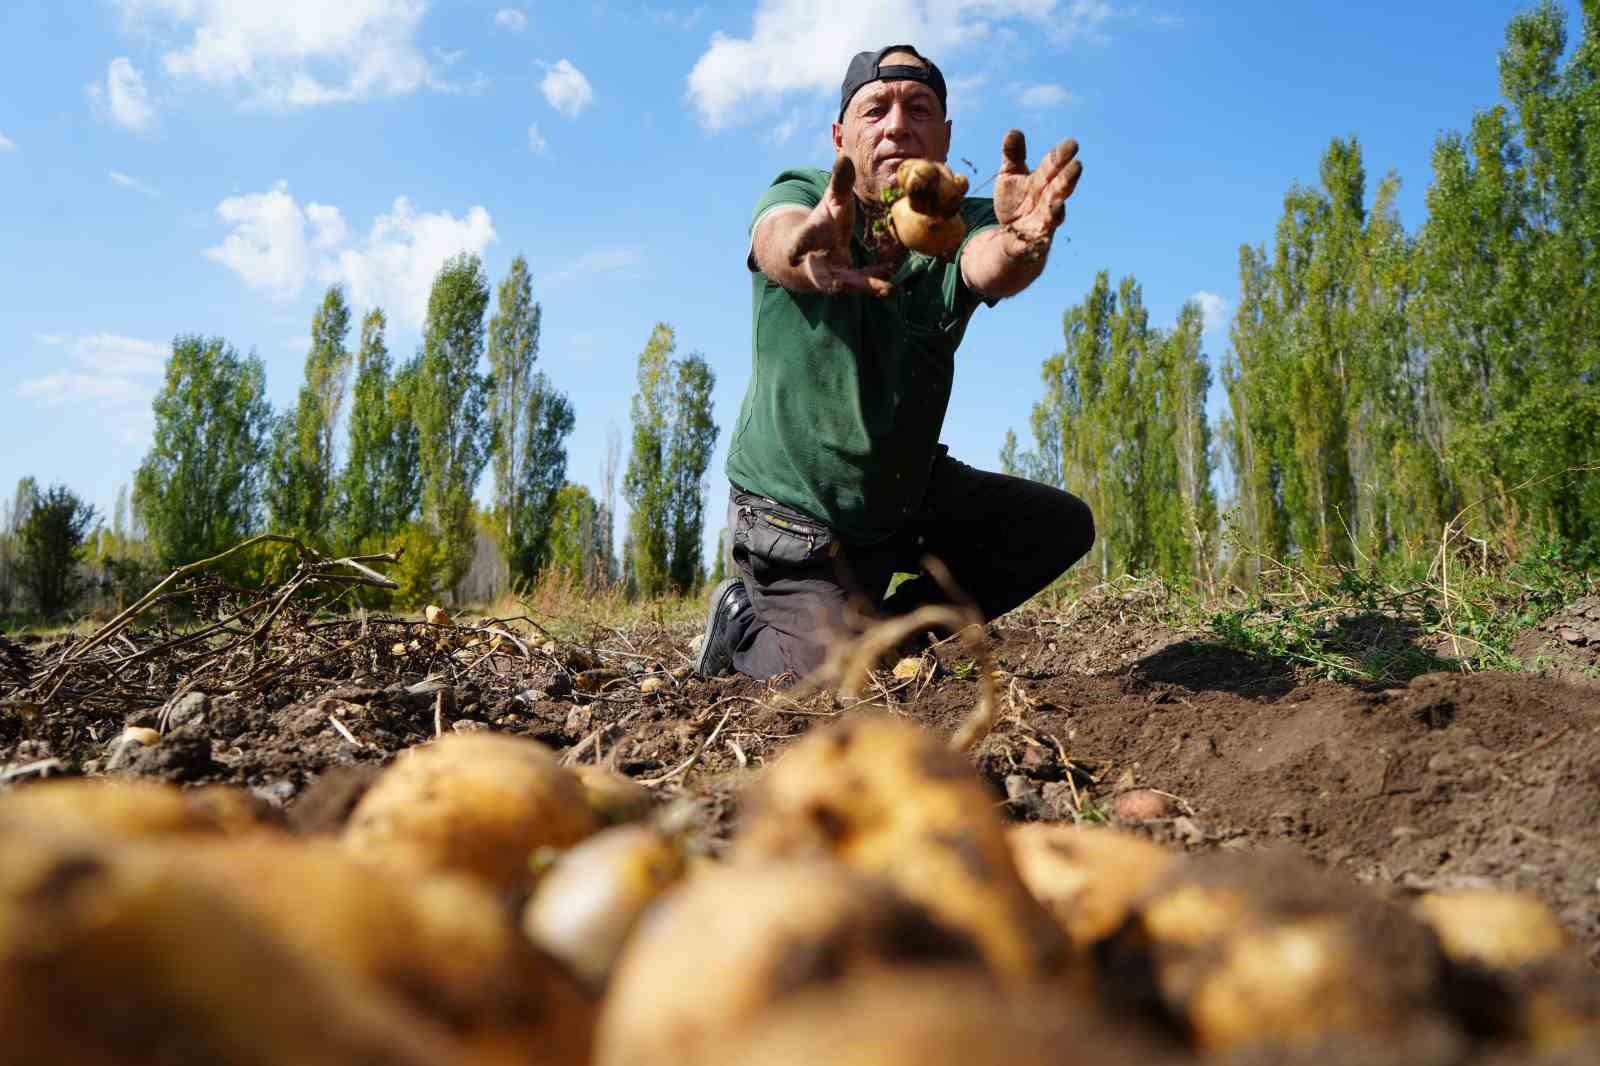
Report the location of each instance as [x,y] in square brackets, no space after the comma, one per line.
[485,905]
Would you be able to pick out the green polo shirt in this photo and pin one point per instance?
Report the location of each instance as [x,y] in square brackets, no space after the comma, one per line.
[848,393]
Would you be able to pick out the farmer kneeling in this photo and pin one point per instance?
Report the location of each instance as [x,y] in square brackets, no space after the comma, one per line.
[839,481]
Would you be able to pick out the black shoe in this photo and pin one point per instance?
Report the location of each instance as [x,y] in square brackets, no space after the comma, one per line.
[725,623]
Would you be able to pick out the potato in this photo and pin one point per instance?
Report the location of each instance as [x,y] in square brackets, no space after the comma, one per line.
[587,903]
[444,943]
[110,956]
[1497,928]
[129,809]
[471,803]
[728,942]
[613,798]
[1513,973]
[1249,949]
[938,1019]
[931,188]
[929,234]
[926,219]
[890,800]
[1087,878]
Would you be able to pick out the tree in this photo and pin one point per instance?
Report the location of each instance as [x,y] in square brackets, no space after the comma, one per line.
[547,422]
[14,515]
[573,542]
[300,485]
[673,435]
[694,435]
[513,350]
[449,403]
[50,544]
[198,489]
[380,489]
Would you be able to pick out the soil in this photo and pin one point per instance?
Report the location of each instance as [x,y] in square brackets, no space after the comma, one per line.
[1450,780]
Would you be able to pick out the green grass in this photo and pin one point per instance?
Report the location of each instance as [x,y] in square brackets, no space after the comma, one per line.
[1379,626]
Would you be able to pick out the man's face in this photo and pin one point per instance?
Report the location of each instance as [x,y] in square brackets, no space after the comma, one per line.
[887,123]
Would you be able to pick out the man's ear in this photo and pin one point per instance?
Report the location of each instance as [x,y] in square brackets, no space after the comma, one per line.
[838,138]
[949,131]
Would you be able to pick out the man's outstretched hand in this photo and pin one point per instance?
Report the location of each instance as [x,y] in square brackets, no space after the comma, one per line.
[820,246]
[1031,205]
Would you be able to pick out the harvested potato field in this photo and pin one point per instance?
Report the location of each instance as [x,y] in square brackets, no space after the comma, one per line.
[383,840]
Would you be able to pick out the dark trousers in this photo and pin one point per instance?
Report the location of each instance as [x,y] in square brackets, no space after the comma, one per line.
[1003,539]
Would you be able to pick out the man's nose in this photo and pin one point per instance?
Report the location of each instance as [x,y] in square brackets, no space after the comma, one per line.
[898,120]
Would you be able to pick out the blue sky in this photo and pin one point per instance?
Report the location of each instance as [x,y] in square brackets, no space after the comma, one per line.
[210,166]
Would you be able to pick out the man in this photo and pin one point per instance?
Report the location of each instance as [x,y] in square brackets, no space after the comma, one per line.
[838,478]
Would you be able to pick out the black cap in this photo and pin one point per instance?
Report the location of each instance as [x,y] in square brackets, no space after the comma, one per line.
[867,67]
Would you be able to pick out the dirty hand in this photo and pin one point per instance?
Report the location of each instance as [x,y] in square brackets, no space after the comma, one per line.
[1030,206]
[821,245]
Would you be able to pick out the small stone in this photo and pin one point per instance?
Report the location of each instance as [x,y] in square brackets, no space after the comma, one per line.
[653,683]
[192,707]
[398,649]
[436,615]
[1025,796]
[1572,636]
[1188,830]
[127,745]
[908,667]
[468,725]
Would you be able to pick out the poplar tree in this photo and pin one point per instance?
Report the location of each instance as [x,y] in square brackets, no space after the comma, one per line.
[513,351]
[449,405]
[300,484]
[381,485]
[547,420]
[673,437]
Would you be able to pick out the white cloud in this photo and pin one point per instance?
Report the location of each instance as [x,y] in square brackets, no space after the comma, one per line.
[278,247]
[133,183]
[123,96]
[1214,308]
[117,373]
[512,19]
[292,53]
[598,261]
[1043,97]
[7,144]
[566,89]
[536,140]
[803,45]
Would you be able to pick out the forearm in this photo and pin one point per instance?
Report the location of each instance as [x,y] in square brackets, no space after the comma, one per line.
[995,266]
[774,237]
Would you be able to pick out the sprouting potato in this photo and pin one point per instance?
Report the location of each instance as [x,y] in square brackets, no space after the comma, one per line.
[443,943]
[1086,877]
[588,902]
[471,803]
[111,956]
[890,800]
[728,942]
[131,809]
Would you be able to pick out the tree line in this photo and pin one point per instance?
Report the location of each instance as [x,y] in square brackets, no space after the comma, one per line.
[1381,385]
[419,436]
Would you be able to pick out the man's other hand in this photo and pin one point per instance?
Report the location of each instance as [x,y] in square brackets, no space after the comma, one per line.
[814,250]
[1030,206]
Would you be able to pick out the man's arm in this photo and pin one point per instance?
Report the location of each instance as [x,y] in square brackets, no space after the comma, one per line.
[1003,261]
[809,250]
